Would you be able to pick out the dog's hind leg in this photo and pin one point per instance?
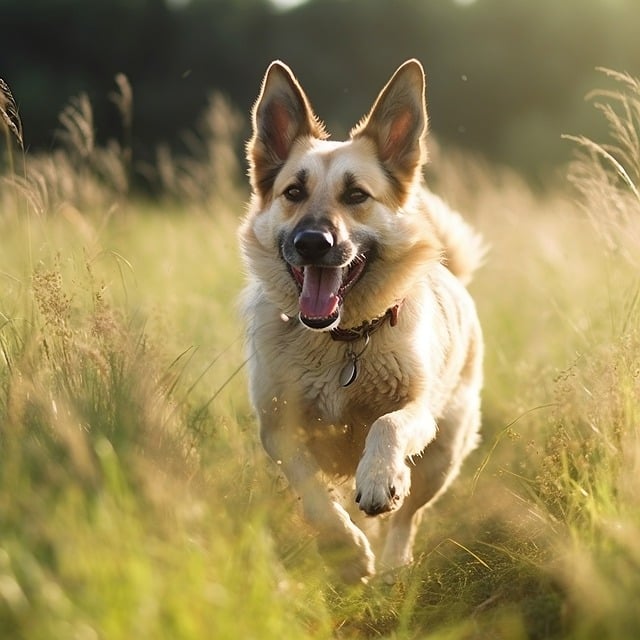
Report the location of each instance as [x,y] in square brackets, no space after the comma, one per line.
[343,544]
[431,474]
[429,478]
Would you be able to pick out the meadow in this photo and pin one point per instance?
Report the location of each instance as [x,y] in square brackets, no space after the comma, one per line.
[135,499]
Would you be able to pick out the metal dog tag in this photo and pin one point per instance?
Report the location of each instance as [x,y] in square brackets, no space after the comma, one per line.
[349,372]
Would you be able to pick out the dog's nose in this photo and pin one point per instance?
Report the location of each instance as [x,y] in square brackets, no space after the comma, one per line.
[312,244]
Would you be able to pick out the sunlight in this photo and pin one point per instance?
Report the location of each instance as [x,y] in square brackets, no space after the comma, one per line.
[287,4]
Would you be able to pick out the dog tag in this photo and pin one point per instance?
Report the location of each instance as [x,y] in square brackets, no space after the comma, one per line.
[349,372]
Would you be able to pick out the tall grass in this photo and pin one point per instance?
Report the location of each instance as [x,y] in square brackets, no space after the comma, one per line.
[134,496]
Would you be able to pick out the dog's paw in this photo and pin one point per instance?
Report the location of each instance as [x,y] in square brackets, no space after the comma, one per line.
[381,484]
[353,566]
[348,553]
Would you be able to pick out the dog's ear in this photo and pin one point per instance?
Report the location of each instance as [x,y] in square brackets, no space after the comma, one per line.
[397,122]
[281,115]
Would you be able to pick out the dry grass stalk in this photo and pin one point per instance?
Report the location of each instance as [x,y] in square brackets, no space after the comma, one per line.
[9,112]
[83,175]
[607,175]
[77,120]
[123,100]
[210,170]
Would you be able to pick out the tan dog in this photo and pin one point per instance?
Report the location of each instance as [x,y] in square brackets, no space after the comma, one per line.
[365,349]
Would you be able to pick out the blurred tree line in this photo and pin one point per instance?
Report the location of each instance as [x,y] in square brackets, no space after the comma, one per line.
[505,77]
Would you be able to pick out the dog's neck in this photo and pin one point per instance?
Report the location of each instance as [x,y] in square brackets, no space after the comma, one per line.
[367,327]
[349,372]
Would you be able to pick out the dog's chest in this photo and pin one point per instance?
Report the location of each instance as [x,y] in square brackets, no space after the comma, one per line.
[353,388]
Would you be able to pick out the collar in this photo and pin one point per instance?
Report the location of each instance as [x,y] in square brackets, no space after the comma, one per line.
[367,327]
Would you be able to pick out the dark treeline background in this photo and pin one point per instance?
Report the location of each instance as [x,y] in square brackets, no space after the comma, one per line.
[505,77]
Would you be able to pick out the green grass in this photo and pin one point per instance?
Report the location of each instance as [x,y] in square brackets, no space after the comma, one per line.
[135,500]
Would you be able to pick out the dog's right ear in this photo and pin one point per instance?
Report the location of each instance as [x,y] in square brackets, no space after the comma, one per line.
[280,116]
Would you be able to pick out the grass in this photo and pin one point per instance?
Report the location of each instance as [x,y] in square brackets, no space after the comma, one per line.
[135,499]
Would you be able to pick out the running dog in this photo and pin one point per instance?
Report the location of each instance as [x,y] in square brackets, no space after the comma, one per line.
[365,350]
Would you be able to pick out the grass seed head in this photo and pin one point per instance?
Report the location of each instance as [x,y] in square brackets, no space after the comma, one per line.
[9,113]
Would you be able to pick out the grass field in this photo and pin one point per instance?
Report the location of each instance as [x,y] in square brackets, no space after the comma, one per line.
[135,500]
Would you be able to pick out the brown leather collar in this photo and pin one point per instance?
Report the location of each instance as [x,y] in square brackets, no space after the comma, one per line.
[367,327]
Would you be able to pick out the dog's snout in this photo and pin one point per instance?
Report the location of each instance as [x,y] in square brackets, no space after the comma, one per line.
[312,244]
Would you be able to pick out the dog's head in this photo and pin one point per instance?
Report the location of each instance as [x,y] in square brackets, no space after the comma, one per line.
[326,216]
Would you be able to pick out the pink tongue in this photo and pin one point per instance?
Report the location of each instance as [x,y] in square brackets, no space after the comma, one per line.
[319,297]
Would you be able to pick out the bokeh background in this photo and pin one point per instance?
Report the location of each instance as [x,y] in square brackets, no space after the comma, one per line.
[506,78]
[135,498]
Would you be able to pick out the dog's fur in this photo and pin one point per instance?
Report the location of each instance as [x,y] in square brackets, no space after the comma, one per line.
[338,233]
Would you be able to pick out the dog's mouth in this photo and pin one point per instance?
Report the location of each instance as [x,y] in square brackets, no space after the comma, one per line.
[322,291]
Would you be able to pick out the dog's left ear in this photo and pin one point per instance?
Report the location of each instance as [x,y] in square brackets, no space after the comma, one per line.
[397,122]
[281,115]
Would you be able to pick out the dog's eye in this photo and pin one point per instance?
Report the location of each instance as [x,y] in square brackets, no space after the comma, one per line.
[355,196]
[295,193]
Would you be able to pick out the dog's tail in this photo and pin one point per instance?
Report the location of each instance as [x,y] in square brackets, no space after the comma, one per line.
[464,248]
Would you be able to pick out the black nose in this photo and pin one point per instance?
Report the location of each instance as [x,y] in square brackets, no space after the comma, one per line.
[312,244]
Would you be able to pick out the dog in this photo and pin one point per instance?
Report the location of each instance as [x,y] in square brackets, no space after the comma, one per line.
[365,349]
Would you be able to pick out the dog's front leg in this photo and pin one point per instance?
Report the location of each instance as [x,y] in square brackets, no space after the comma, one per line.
[383,478]
[345,545]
